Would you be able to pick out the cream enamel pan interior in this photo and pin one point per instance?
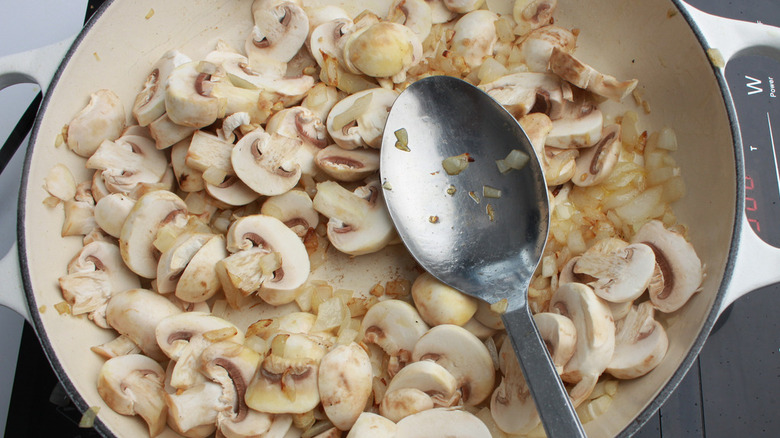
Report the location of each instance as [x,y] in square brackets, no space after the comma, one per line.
[648,40]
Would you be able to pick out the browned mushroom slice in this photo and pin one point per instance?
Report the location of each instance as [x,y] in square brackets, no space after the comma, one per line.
[533,14]
[475,37]
[568,67]
[537,46]
[522,93]
[347,165]
[382,49]
[344,381]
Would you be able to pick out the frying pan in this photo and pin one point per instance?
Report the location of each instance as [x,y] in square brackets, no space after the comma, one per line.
[669,46]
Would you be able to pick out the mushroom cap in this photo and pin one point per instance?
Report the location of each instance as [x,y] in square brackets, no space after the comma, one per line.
[678,262]
[133,385]
[475,36]
[272,235]
[135,313]
[139,230]
[359,119]
[266,162]
[278,34]
[382,49]
[199,281]
[103,118]
[402,402]
[345,379]
[442,423]
[559,334]
[640,344]
[537,46]
[149,104]
[463,355]
[620,274]
[428,377]
[188,99]
[441,304]
[394,325]
[373,425]
[111,211]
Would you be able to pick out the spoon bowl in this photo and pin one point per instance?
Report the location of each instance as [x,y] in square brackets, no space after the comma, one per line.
[478,230]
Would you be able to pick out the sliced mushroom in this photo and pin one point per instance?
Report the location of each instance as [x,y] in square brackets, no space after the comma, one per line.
[620,272]
[511,405]
[441,304]
[135,313]
[640,343]
[403,402]
[133,385]
[102,119]
[678,263]
[595,337]
[414,14]
[295,209]
[149,104]
[344,381]
[568,67]
[533,14]
[128,162]
[301,123]
[166,133]
[347,165]
[418,386]
[321,99]
[382,50]
[463,6]
[119,346]
[187,267]
[525,92]
[188,96]
[359,222]
[395,326]
[207,151]
[475,36]
[279,32]
[193,412]
[286,381]
[580,131]
[596,163]
[183,338]
[359,119]
[442,423]
[139,230]
[478,329]
[463,355]
[373,425]
[243,273]
[559,166]
[111,211]
[537,46]
[94,275]
[327,40]
[273,235]
[232,191]
[559,334]
[267,162]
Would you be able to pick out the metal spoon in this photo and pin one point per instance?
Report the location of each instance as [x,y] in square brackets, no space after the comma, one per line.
[486,247]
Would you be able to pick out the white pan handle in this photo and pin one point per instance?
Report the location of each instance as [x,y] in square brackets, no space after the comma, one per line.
[756,263]
[12,295]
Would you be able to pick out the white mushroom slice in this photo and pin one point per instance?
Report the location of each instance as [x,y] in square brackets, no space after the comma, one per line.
[301,123]
[236,68]
[488,317]
[359,222]
[174,259]
[511,405]
[102,119]
[640,344]
[188,96]
[193,412]
[372,425]
[429,377]
[478,329]
[463,6]
[232,191]
[579,74]
[580,132]
[111,211]
[187,268]
[559,166]
[295,209]
[323,14]
[135,313]
[359,120]
[272,235]
[94,275]
[619,274]
[520,93]
[278,34]
[286,381]
[188,179]
[166,133]
[149,213]
[129,161]
[395,326]
[414,14]
[596,163]
[233,365]
[119,346]
[149,104]
[442,423]
[207,151]
[266,163]
[133,385]
[347,165]
[328,39]
[403,402]
[475,37]
[441,304]
[60,183]
[321,99]
[463,355]
[243,273]
[537,46]
[183,337]
[344,381]
[678,262]
[559,334]
[382,50]
[532,14]
[440,13]
[595,337]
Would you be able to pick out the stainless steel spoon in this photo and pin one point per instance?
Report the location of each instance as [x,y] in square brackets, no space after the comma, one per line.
[487,247]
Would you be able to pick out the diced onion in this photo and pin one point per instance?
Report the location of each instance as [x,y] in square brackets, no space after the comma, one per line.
[88,419]
[491,192]
[456,164]
[517,159]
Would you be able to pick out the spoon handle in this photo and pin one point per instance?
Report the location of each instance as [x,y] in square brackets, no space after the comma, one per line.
[552,401]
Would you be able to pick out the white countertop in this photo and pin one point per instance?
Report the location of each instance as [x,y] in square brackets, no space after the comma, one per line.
[24,26]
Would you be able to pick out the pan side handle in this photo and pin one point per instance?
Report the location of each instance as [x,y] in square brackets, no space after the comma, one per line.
[12,292]
[33,66]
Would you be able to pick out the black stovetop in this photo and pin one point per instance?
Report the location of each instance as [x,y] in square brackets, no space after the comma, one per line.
[732,390]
